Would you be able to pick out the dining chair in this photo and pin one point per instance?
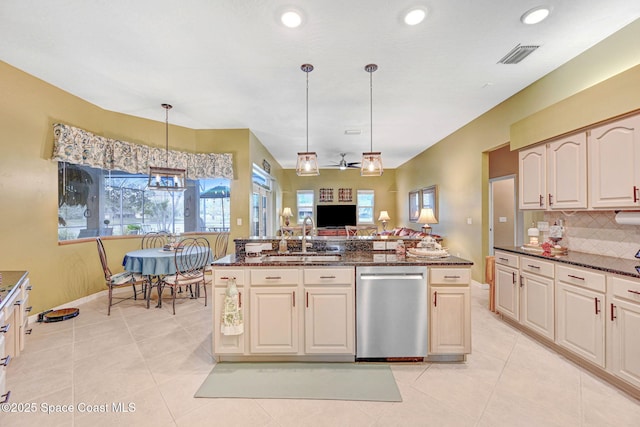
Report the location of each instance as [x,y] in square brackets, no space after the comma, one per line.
[221,244]
[120,279]
[192,256]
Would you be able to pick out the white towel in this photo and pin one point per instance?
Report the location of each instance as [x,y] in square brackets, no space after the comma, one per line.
[232,323]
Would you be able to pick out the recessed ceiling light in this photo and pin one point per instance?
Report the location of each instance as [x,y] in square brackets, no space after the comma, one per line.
[535,15]
[415,16]
[291,19]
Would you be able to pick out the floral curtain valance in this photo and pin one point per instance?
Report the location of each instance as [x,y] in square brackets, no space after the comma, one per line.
[78,146]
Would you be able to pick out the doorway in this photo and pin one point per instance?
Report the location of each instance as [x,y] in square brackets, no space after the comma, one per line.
[504,216]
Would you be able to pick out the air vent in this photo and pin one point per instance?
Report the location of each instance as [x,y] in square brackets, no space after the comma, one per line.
[517,54]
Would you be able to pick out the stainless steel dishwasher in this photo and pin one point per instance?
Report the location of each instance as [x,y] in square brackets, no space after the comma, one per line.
[391,313]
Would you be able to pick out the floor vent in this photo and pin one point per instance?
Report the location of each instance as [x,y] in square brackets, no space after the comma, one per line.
[517,54]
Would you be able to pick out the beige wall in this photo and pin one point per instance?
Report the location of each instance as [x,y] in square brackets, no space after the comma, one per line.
[459,164]
[28,184]
[384,187]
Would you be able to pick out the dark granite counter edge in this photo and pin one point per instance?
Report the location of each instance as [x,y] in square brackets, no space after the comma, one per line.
[621,266]
[10,283]
[358,260]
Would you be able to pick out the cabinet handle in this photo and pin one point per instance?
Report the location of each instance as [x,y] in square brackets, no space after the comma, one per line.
[28,331]
[5,361]
[28,288]
[633,292]
[28,309]
[5,328]
[273,277]
[307,298]
[513,277]
[597,301]
[294,298]
[613,316]
[550,199]
[521,281]
[504,259]
[533,266]
[327,277]
[451,277]
[239,299]
[6,397]
[635,194]
[19,302]
[435,298]
[541,200]
[575,277]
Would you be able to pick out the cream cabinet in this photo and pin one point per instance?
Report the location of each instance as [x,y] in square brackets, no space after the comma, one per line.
[614,163]
[507,279]
[4,359]
[273,311]
[532,178]
[567,172]
[537,308]
[227,344]
[329,311]
[449,311]
[624,325]
[581,313]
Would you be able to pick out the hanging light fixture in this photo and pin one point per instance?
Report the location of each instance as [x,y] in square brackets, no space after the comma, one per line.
[371,161]
[166,178]
[307,164]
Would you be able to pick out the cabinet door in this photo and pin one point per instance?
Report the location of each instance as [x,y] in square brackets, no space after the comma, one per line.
[329,320]
[507,293]
[567,173]
[226,344]
[614,163]
[450,320]
[625,319]
[537,308]
[581,317]
[532,178]
[273,319]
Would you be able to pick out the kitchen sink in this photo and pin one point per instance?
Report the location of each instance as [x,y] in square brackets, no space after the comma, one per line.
[308,257]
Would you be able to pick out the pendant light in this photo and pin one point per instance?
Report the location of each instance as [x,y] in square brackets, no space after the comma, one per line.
[371,161]
[307,164]
[166,178]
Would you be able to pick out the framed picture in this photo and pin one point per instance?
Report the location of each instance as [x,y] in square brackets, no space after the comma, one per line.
[345,195]
[326,195]
[414,206]
[429,199]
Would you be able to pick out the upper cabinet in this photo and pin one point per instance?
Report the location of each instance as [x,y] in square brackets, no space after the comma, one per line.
[614,162]
[556,176]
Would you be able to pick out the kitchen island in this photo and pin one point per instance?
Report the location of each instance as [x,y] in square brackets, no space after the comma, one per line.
[302,306]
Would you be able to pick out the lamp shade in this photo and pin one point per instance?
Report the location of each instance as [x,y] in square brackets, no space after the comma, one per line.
[384,216]
[286,212]
[427,217]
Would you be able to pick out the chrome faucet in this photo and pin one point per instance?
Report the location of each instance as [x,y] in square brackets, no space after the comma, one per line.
[304,231]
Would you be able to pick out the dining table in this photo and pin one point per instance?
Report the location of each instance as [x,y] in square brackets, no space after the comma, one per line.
[155,263]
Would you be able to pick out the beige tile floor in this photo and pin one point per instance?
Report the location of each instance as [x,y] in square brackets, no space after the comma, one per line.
[156,361]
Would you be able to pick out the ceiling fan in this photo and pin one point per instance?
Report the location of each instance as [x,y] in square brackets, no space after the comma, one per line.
[343,164]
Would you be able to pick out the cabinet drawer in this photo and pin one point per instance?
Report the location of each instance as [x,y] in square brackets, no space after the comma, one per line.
[583,278]
[450,276]
[536,266]
[625,288]
[326,276]
[220,276]
[274,276]
[507,259]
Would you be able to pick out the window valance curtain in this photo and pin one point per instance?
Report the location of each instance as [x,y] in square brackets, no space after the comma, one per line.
[78,146]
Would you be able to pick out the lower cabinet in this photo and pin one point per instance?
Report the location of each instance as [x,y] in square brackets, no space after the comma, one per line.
[4,329]
[329,320]
[537,304]
[227,344]
[506,285]
[273,319]
[449,311]
[624,320]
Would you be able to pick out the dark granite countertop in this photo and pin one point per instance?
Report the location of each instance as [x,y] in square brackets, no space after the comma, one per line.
[356,258]
[9,284]
[625,267]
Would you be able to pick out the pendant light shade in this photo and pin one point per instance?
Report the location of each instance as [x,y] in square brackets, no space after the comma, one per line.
[372,160]
[307,164]
[166,178]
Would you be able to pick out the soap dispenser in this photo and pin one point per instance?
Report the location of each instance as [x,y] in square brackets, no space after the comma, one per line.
[282,246]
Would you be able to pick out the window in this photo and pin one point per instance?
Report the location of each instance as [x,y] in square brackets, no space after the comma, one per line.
[365,201]
[305,204]
[97,202]
[261,205]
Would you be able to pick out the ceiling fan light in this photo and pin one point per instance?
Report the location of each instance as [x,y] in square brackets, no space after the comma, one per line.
[535,15]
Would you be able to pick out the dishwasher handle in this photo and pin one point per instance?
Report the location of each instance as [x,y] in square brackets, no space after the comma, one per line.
[394,276]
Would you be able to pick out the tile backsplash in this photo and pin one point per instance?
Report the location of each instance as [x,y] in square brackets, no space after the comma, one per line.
[597,233]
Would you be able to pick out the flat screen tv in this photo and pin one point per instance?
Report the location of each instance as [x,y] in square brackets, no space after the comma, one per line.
[336,215]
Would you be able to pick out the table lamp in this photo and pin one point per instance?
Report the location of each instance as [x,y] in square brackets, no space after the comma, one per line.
[427,217]
[384,217]
[286,214]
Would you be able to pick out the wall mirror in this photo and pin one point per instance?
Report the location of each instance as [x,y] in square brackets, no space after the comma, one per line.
[414,206]
[429,199]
